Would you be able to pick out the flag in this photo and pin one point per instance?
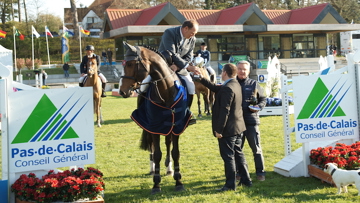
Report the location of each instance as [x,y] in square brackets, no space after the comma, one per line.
[48,33]
[18,34]
[68,31]
[86,32]
[37,35]
[2,34]
[65,48]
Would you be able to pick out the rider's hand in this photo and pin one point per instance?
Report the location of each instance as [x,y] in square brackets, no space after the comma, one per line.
[174,67]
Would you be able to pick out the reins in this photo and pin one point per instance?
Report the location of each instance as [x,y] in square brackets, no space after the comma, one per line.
[138,61]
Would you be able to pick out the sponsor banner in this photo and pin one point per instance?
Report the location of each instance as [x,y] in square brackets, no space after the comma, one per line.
[325,107]
[51,128]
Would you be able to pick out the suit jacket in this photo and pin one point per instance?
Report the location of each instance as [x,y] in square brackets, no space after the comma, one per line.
[170,41]
[227,115]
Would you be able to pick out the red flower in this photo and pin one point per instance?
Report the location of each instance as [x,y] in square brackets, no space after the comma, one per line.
[64,186]
[345,156]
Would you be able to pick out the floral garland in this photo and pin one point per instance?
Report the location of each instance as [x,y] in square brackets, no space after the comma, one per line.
[345,156]
[64,186]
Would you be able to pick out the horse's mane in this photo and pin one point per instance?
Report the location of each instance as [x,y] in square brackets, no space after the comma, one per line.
[155,50]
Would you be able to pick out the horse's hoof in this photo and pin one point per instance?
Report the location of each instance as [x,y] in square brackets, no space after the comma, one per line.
[208,114]
[169,173]
[99,125]
[155,190]
[200,116]
[179,188]
[151,173]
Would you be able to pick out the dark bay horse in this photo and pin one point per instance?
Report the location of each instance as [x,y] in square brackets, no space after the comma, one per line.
[163,110]
[93,80]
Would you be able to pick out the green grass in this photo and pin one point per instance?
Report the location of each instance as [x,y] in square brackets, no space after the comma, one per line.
[49,71]
[125,166]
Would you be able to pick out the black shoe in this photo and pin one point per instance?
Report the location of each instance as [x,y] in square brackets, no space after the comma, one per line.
[223,189]
[103,94]
[247,184]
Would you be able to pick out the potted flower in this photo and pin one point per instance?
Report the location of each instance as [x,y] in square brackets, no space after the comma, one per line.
[67,186]
[345,156]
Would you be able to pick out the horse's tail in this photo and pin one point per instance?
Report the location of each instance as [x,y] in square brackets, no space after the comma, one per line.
[146,141]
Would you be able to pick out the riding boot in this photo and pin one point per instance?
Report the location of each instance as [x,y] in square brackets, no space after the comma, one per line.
[81,84]
[103,89]
[193,119]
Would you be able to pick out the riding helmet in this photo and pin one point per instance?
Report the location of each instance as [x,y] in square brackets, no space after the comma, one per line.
[89,47]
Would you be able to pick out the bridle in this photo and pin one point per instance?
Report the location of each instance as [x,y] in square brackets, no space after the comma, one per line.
[139,61]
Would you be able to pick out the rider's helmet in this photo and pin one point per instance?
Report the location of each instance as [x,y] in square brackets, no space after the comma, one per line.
[89,47]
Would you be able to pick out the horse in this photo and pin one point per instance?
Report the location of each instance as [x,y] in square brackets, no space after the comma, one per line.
[163,110]
[200,89]
[93,81]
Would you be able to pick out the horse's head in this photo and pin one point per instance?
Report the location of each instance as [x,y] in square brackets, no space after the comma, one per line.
[92,66]
[134,71]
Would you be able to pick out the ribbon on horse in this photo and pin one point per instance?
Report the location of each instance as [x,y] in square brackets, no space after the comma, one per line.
[162,120]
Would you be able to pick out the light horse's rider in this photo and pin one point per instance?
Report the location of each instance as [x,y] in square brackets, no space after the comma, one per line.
[83,68]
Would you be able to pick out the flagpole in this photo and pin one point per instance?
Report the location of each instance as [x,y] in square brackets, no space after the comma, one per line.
[32,45]
[80,45]
[14,49]
[47,46]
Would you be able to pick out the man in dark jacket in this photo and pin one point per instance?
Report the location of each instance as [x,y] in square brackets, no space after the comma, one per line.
[251,89]
[228,124]
[83,68]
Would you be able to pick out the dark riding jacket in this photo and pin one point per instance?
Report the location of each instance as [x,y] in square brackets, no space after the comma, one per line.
[83,66]
[248,86]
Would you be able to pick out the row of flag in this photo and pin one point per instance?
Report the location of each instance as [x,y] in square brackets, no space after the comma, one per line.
[37,35]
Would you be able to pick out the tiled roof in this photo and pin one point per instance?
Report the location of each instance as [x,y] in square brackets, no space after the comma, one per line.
[204,17]
[148,14]
[122,17]
[306,15]
[278,16]
[229,16]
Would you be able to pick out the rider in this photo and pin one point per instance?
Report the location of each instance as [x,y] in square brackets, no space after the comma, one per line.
[83,68]
[178,43]
[205,54]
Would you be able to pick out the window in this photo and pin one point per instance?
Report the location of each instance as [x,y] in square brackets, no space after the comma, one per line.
[90,20]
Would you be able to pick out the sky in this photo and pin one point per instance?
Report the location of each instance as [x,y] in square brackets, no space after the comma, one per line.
[56,7]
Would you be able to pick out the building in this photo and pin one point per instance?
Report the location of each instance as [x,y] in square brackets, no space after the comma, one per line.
[240,30]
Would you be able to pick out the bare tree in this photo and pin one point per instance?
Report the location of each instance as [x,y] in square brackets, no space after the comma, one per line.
[19,10]
[75,19]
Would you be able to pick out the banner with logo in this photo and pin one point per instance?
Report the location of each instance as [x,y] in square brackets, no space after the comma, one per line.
[51,128]
[325,107]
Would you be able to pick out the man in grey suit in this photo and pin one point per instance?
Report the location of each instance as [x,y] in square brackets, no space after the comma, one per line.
[228,124]
[178,43]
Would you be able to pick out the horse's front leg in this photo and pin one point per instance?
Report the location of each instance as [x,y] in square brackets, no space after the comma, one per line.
[199,104]
[207,102]
[168,163]
[176,157]
[157,158]
[97,111]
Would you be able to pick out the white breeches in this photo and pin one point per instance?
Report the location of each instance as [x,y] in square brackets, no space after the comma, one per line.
[189,83]
[211,70]
[101,76]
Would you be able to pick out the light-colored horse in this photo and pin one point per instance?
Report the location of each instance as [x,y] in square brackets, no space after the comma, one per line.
[93,80]
[200,89]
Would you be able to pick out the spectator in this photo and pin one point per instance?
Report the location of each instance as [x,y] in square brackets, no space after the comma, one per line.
[66,69]
[109,56]
[103,54]
[44,77]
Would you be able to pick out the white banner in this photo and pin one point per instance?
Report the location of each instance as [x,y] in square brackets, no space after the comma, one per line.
[51,128]
[325,107]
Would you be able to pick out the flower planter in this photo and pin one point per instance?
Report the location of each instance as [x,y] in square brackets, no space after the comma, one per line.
[99,200]
[317,172]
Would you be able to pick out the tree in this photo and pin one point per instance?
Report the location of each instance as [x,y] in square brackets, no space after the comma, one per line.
[75,19]
[5,9]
